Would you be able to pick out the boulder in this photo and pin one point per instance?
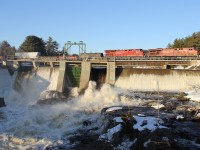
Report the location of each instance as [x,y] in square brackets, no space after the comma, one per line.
[2,103]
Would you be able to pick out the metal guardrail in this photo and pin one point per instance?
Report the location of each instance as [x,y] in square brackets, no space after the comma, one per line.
[53,58]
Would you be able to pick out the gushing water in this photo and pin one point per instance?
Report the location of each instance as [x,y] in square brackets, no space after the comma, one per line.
[174,81]
[25,124]
[23,118]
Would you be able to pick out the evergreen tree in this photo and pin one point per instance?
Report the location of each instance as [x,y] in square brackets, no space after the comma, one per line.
[33,44]
[189,41]
[51,47]
[6,49]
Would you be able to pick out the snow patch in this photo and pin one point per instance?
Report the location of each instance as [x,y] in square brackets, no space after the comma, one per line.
[113,109]
[109,134]
[158,106]
[150,123]
[118,119]
[194,94]
[179,117]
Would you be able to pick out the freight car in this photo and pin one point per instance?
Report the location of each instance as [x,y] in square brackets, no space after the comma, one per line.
[27,55]
[91,56]
[68,57]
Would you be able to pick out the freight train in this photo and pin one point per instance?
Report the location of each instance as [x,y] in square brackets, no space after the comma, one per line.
[158,53]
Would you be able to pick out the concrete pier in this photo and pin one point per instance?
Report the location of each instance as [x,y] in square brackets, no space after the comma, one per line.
[110,74]
[61,77]
[85,75]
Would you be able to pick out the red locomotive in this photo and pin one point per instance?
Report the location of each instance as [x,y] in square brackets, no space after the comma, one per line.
[173,52]
[125,52]
[158,52]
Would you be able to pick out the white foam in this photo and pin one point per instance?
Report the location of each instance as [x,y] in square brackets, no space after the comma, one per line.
[150,82]
[24,119]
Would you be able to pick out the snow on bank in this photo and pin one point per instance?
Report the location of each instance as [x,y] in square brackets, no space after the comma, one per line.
[113,108]
[150,123]
[111,132]
[194,94]
[158,106]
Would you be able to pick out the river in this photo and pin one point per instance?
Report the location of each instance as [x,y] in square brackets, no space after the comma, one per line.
[25,123]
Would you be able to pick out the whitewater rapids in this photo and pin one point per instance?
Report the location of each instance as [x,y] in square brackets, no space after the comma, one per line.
[25,124]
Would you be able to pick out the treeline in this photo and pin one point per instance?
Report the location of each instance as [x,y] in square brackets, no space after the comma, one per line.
[31,44]
[189,41]
[50,47]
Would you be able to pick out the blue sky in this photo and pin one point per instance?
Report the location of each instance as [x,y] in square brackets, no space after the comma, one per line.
[101,24]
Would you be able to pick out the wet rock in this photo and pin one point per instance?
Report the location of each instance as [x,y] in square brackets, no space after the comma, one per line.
[87,123]
[2,102]
[90,142]
[188,108]
[196,116]
[17,141]
[51,94]
[182,97]
[51,97]
[170,105]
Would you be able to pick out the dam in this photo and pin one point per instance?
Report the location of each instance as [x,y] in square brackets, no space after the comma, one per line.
[141,73]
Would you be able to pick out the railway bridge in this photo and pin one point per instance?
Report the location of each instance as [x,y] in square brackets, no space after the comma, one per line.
[80,72]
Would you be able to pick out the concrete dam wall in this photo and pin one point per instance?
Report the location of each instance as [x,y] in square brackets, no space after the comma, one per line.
[78,75]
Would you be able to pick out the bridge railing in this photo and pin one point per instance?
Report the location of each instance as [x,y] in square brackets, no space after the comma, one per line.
[60,58]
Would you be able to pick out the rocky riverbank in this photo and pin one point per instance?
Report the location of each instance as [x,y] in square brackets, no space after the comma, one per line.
[164,121]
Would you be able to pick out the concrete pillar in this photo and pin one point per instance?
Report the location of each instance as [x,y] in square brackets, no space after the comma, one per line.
[34,64]
[51,64]
[4,63]
[61,77]
[110,75]
[16,64]
[85,75]
[194,62]
[164,67]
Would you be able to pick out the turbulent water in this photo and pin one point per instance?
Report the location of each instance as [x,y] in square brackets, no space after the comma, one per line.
[26,124]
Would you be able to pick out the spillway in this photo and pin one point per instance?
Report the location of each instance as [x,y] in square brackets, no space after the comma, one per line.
[158,79]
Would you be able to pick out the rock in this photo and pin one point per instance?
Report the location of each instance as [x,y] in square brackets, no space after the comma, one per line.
[2,103]
[86,123]
[182,97]
[17,141]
